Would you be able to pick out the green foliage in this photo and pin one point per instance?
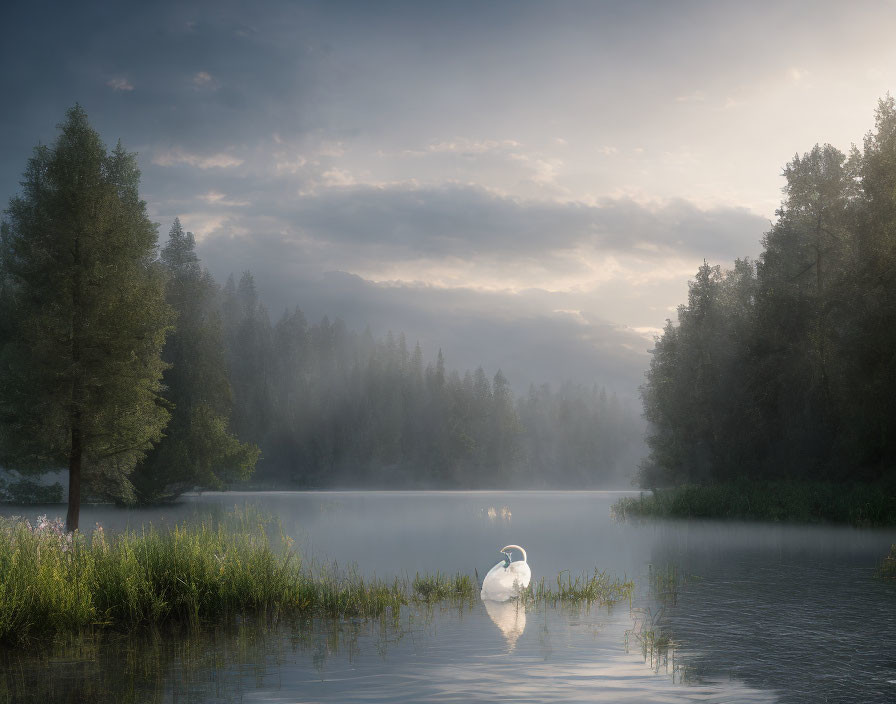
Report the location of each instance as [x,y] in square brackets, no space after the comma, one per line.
[198,449]
[784,367]
[783,500]
[84,316]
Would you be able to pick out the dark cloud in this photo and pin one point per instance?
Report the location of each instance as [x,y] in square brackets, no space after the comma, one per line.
[399,223]
[385,69]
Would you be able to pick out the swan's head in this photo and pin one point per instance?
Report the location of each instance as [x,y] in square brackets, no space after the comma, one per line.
[507,548]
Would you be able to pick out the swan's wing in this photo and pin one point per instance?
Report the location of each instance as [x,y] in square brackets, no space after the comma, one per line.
[494,571]
[503,581]
[521,572]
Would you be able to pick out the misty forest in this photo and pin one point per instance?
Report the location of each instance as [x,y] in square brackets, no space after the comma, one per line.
[783,367]
[291,404]
[366,291]
[329,406]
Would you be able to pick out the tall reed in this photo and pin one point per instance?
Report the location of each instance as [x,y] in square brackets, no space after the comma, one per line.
[52,582]
[596,588]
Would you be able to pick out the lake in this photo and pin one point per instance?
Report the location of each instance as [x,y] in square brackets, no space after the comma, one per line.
[750,613]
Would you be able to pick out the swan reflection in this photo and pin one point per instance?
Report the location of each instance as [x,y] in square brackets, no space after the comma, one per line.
[510,617]
[493,513]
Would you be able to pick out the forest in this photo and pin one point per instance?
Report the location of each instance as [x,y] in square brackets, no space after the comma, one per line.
[132,368]
[329,406]
[783,367]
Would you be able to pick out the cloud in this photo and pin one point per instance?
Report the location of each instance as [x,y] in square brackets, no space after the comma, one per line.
[468,222]
[216,198]
[337,177]
[698,96]
[173,157]
[203,79]
[544,170]
[120,84]
[464,145]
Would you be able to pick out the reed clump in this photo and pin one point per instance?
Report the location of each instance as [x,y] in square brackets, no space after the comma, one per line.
[430,589]
[52,582]
[597,588]
[795,501]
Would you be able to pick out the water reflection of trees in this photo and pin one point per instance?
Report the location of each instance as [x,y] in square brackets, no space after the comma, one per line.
[221,662]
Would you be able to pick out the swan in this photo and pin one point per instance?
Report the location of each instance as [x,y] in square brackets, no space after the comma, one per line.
[505,579]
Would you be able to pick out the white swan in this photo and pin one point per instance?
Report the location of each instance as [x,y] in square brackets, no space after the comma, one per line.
[505,579]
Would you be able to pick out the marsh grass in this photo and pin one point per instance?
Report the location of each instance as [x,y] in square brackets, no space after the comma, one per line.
[441,587]
[650,629]
[52,583]
[232,565]
[800,502]
[598,588]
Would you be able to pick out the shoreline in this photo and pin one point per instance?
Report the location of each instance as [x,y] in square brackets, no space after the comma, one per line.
[790,501]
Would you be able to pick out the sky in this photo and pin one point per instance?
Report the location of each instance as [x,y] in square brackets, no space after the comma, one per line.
[528,186]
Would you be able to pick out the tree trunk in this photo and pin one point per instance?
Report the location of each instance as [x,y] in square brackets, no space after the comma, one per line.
[77,449]
[74,475]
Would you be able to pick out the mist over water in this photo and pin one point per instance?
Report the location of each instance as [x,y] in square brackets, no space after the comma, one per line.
[763,612]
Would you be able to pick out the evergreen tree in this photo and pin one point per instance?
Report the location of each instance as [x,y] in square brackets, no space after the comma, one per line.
[84,316]
[786,369]
[198,448]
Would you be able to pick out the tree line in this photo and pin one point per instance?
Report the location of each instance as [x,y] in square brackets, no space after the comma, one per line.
[330,406]
[783,367]
[134,370]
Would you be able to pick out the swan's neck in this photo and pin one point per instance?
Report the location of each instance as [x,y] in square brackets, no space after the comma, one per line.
[517,547]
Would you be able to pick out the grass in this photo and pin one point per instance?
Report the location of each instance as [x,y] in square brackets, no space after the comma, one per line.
[596,588]
[53,583]
[887,567]
[800,502]
[650,629]
[441,587]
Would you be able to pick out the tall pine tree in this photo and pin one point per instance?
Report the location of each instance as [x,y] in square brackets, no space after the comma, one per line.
[84,316]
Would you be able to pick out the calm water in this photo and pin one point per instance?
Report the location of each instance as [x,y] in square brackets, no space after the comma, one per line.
[764,613]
